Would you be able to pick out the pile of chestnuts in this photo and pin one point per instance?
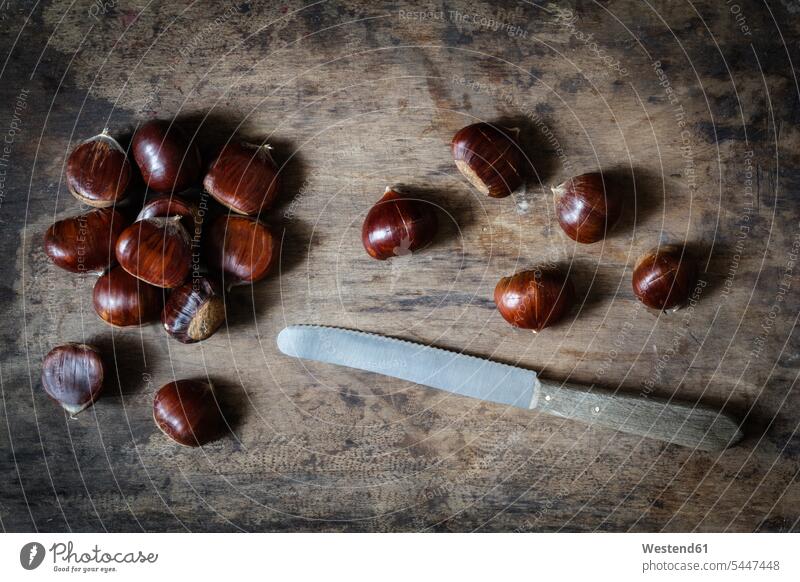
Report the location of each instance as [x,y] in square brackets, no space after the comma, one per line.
[587,208]
[163,265]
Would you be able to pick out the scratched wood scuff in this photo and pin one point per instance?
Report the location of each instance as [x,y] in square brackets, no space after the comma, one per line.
[356,96]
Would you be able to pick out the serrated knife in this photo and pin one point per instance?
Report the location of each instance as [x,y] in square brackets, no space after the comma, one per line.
[681,423]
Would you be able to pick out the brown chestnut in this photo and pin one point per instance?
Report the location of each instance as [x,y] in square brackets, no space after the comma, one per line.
[187,412]
[85,243]
[664,278]
[398,226]
[490,158]
[586,208]
[156,250]
[167,205]
[534,299]
[240,248]
[168,160]
[72,375]
[122,300]
[243,178]
[194,311]
[98,171]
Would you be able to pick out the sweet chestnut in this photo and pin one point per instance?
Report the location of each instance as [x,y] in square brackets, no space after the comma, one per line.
[534,299]
[122,300]
[490,158]
[398,225]
[156,250]
[98,171]
[187,412]
[586,207]
[664,278]
[243,178]
[166,205]
[72,375]
[85,243]
[168,159]
[194,311]
[240,249]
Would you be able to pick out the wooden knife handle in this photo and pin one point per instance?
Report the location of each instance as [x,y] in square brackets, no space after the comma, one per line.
[675,422]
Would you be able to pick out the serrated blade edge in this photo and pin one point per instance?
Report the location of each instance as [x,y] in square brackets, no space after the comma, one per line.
[426,365]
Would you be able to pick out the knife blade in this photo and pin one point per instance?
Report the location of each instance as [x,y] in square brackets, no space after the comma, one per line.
[430,366]
[671,421]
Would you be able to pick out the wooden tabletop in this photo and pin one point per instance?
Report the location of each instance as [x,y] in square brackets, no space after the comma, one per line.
[691,108]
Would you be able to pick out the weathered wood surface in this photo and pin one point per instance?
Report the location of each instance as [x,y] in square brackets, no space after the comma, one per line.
[358,95]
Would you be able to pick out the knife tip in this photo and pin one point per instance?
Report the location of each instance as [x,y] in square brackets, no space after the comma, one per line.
[285,341]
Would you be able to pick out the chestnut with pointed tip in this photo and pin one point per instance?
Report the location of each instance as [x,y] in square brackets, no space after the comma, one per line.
[156,250]
[243,178]
[72,375]
[534,299]
[166,205]
[586,208]
[490,158]
[240,248]
[98,171]
[122,300]
[187,412]
[398,226]
[168,160]
[664,278]
[85,243]
[194,311]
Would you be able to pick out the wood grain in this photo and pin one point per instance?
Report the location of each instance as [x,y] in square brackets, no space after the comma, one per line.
[697,123]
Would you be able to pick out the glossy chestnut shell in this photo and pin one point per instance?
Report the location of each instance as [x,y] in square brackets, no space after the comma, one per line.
[187,412]
[243,178]
[398,226]
[72,375]
[122,300]
[534,299]
[98,171]
[586,208]
[168,160]
[664,278]
[490,158]
[194,311]
[166,205]
[240,248]
[157,251]
[85,243]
